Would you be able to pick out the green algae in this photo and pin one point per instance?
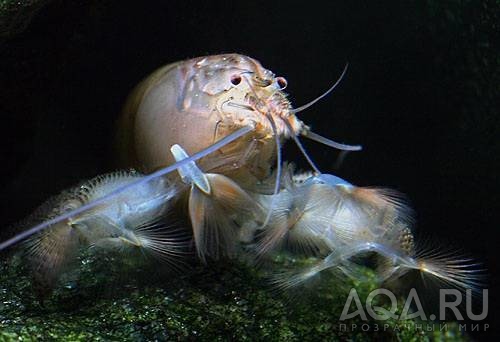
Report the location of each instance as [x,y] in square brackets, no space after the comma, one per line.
[233,301]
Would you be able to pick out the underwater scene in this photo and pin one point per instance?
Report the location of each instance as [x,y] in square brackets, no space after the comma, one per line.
[258,171]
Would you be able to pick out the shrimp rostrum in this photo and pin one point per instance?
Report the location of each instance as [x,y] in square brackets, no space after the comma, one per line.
[205,138]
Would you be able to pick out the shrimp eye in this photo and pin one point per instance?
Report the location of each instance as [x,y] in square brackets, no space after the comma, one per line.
[236,79]
[282,83]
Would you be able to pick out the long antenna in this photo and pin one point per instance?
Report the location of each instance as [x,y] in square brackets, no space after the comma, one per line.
[307,105]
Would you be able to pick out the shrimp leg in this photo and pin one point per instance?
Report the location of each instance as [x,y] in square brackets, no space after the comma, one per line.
[216,204]
[73,213]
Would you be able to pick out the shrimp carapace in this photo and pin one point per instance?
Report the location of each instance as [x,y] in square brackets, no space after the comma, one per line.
[196,102]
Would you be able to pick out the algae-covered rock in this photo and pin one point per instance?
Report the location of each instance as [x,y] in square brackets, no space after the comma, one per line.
[109,301]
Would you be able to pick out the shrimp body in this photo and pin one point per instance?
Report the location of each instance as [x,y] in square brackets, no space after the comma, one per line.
[219,121]
[195,103]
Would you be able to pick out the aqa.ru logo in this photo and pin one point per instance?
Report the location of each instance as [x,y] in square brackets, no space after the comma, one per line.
[381,313]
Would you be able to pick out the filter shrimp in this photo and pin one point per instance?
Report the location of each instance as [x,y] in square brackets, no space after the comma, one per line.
[205,136]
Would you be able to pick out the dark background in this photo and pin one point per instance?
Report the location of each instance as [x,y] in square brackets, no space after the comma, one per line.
[421,95]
